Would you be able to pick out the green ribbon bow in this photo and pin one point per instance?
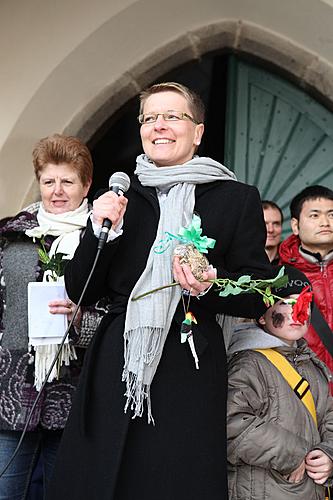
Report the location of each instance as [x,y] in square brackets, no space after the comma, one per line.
[192,235]
[188,235]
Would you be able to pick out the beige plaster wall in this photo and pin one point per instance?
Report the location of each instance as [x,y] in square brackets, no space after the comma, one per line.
[66,65]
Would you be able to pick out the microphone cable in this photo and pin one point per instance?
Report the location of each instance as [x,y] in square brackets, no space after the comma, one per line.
[15,452]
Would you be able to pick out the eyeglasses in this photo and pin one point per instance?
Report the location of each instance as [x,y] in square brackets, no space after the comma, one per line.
[168,116]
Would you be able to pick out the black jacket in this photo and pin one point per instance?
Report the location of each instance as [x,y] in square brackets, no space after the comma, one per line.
[106,455]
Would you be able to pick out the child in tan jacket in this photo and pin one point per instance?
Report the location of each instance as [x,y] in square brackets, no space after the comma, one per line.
[279,447]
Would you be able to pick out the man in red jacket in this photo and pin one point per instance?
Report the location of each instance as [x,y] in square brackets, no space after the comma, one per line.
[310,249]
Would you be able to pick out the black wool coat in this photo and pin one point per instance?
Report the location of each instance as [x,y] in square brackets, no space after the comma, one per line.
[107,455]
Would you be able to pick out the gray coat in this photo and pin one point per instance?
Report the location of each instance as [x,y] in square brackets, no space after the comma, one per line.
[270,431]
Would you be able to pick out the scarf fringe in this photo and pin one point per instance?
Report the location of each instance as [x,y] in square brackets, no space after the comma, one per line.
[141,347]
[137,393]
[44,356]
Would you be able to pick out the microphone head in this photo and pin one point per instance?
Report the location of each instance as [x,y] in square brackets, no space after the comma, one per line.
[119,180]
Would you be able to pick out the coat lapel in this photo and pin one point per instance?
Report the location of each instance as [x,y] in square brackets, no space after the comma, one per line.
[147,192]
[202,189]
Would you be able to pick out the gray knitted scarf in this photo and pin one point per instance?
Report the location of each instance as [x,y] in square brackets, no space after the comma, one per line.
[148,320]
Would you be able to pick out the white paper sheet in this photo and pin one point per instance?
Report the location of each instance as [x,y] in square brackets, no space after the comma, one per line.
[44,327]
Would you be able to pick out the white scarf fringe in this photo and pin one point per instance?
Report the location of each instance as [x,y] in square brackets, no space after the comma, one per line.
[67,227]
[44,356]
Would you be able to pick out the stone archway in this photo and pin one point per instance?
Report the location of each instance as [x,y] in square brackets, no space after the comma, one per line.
[302,66]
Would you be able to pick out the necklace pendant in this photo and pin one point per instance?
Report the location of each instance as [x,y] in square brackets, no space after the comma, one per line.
[185,331]
[186,334]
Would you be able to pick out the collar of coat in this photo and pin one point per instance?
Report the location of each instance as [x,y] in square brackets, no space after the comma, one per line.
[150,193]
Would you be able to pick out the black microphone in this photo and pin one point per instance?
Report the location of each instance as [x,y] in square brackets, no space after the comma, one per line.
[119,183]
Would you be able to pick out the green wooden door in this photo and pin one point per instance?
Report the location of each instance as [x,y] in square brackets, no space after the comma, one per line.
[278,138]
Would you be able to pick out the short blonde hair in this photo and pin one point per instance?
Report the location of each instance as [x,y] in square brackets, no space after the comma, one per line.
[195,103]
[58,149]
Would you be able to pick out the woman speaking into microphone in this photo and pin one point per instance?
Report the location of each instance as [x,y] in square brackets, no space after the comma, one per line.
[149,419]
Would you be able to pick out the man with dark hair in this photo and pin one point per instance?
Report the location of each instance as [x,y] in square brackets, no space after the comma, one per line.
[310,249]
[274,219]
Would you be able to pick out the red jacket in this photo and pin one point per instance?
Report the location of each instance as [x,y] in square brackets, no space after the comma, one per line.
[320,273]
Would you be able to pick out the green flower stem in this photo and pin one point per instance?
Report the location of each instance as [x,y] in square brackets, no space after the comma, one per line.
[254,289]
[154,290]
[221,283]
[248,287]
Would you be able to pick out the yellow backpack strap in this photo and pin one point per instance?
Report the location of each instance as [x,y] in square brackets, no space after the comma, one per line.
[299,385]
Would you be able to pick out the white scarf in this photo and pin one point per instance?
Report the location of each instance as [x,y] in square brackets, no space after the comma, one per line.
[148,320]
[67,227]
